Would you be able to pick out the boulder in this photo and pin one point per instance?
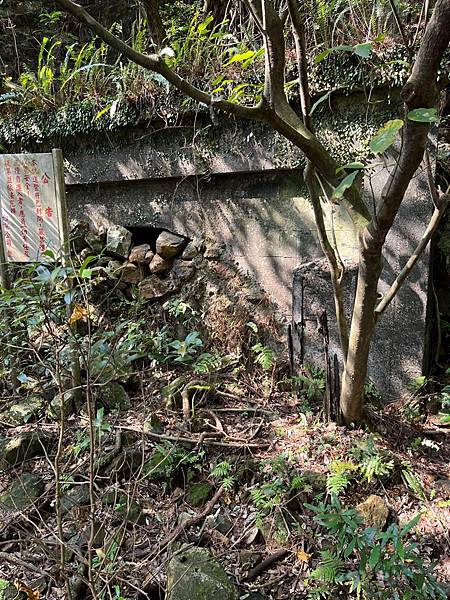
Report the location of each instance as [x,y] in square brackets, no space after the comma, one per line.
[23,447]
[112,396]
[159,264]
[189,252]
[141,255]
[152,288]
[169,245]
[22,412]
[24,491]
[194,574]
[218,522]
[374,511]
[76,496]
[132,273]
[118,241]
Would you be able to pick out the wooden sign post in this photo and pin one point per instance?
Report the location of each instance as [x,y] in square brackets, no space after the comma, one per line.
[34,217]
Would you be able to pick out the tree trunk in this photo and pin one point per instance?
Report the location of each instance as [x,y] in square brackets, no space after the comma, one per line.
[419,92]
[157,31]
[217,8]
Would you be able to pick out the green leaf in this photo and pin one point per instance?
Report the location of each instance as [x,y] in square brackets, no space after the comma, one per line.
[86,273]
[320,57]
[424,115]
[346,183]
[386,136]
[319,101]
[352,165]
[363,50]
[240,57]
[410,525]
[374,557]
[328,51]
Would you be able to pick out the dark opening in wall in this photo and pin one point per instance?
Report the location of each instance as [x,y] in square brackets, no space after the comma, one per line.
[145,234]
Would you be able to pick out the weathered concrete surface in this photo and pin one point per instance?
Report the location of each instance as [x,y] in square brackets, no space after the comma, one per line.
[241,184]
[400,346]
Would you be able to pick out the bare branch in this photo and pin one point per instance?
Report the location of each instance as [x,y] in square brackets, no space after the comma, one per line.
[300,47]
[155,63]
[335,270]
[432,225]
[430,177]
[276,111]
[400,25]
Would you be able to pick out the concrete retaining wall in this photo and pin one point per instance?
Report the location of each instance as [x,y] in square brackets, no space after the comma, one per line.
[241,184]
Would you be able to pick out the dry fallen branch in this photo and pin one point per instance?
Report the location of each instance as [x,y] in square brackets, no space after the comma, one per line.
[195,441]
[175,534]
[266,563]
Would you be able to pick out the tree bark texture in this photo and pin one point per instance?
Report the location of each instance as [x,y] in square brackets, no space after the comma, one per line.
[419,92]
[156,29]
[217,8]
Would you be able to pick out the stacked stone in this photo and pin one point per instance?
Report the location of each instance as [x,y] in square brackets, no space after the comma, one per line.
[156,274]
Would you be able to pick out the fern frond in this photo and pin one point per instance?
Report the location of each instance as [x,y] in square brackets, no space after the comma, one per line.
[329,568]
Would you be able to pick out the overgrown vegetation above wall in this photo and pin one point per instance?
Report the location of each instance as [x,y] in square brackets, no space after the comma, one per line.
[73,88]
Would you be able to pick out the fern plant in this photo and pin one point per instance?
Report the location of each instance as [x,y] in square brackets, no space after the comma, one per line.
[329,569]
[222,471]
[339,477]
[264,356]
[373,463]
[367,563]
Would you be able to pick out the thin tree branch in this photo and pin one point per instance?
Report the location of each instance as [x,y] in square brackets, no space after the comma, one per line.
[400,26]
[431,228]
[275,110]
[302,62]
[430,177]
[155,63]
[335,271]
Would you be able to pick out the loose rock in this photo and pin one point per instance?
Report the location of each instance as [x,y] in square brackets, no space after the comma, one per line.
[159,264]
[24,491]
[67,400]
[132,273]
[141,255]
[118,241]
[22,412]
[189,252]
[112,396]
[23,447]
[169,245]
[374,511]
[183,270]
[199,493]
[153,288]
